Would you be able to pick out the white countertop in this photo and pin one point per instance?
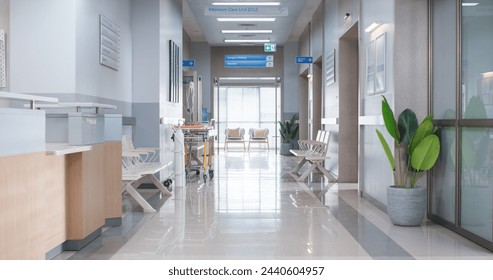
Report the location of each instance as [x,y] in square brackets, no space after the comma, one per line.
[22,96]
[76,105]
[58,149]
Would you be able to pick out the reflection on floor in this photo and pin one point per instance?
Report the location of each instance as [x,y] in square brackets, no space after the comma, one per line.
[253,209]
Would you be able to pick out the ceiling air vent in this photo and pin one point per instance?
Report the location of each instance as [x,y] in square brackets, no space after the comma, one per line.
[247,24]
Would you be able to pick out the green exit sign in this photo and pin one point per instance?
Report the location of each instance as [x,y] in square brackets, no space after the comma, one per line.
[269,47]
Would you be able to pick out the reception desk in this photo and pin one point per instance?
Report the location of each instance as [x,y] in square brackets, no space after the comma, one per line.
[54,196]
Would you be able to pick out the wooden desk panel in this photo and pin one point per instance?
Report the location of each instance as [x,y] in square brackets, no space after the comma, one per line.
[85,192]
[113,179]
[32,205]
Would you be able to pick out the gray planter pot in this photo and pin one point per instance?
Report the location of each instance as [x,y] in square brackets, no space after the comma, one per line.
[406,206]
[285,147]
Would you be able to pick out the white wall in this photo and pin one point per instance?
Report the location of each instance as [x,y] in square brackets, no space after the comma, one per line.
[331,92]
[92,78]
[55,51]
[42,46]
[376,174]
[171,28]
[154,23]
[5,26]
[145,52]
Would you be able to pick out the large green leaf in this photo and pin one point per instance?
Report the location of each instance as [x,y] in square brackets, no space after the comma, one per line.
[389,120]
[428,118]
[407,125]
[387,150]
[423,130]
[426,153]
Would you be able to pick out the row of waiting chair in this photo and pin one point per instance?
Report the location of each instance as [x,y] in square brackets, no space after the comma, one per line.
[313,152]
[140,165]
[237,135]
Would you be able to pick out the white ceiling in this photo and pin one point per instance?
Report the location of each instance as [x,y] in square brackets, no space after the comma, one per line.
[205,28]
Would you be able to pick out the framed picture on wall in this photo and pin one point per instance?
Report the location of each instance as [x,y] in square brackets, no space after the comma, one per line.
[370,68]
[174,72]
[380,64]
[330,71]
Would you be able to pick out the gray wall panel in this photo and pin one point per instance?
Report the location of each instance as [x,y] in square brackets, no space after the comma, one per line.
[146,130]
[290,81]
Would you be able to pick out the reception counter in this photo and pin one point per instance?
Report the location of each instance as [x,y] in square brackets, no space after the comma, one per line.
[54,196]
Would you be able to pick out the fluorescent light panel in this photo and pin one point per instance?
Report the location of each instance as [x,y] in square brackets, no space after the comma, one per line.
[246,40]
[246,19]
[373,26]
[469,4]
[245,31]
[246,3]
[248,78]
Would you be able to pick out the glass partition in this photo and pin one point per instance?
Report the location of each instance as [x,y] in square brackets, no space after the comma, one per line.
[462,182]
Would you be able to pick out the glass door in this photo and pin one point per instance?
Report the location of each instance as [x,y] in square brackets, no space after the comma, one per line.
[248,104]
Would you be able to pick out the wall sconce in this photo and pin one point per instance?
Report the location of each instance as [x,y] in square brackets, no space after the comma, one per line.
[347,15]
[373,26]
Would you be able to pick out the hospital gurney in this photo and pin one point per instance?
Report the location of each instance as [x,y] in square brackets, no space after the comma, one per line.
[199,138]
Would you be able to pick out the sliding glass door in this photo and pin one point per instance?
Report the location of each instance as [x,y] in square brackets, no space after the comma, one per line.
[248,106]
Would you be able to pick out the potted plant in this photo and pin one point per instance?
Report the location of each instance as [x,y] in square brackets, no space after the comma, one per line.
[288,130]
[406,202]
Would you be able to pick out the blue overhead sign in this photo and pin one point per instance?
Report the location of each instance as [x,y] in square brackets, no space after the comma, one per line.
[189,63]
[248,61]
[304,59]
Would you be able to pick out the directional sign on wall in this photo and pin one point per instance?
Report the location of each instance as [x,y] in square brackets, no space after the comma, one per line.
[248,61]
[188,63]
[109,50]
[304,59]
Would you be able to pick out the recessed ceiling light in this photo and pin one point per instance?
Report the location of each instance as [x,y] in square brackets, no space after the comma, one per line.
[245,31]
[246,19]
[246,40]
[373,26]
[469,4]
[246,3]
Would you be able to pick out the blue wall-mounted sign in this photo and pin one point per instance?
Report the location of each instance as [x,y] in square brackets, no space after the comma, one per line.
[304,59]
[248,61]
[189,63]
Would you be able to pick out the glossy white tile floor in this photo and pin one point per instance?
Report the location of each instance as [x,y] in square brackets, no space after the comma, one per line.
[253,209]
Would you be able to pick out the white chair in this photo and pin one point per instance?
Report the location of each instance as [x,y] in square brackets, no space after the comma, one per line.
[315,153]
[139,155]
[234,135]
[259,136]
